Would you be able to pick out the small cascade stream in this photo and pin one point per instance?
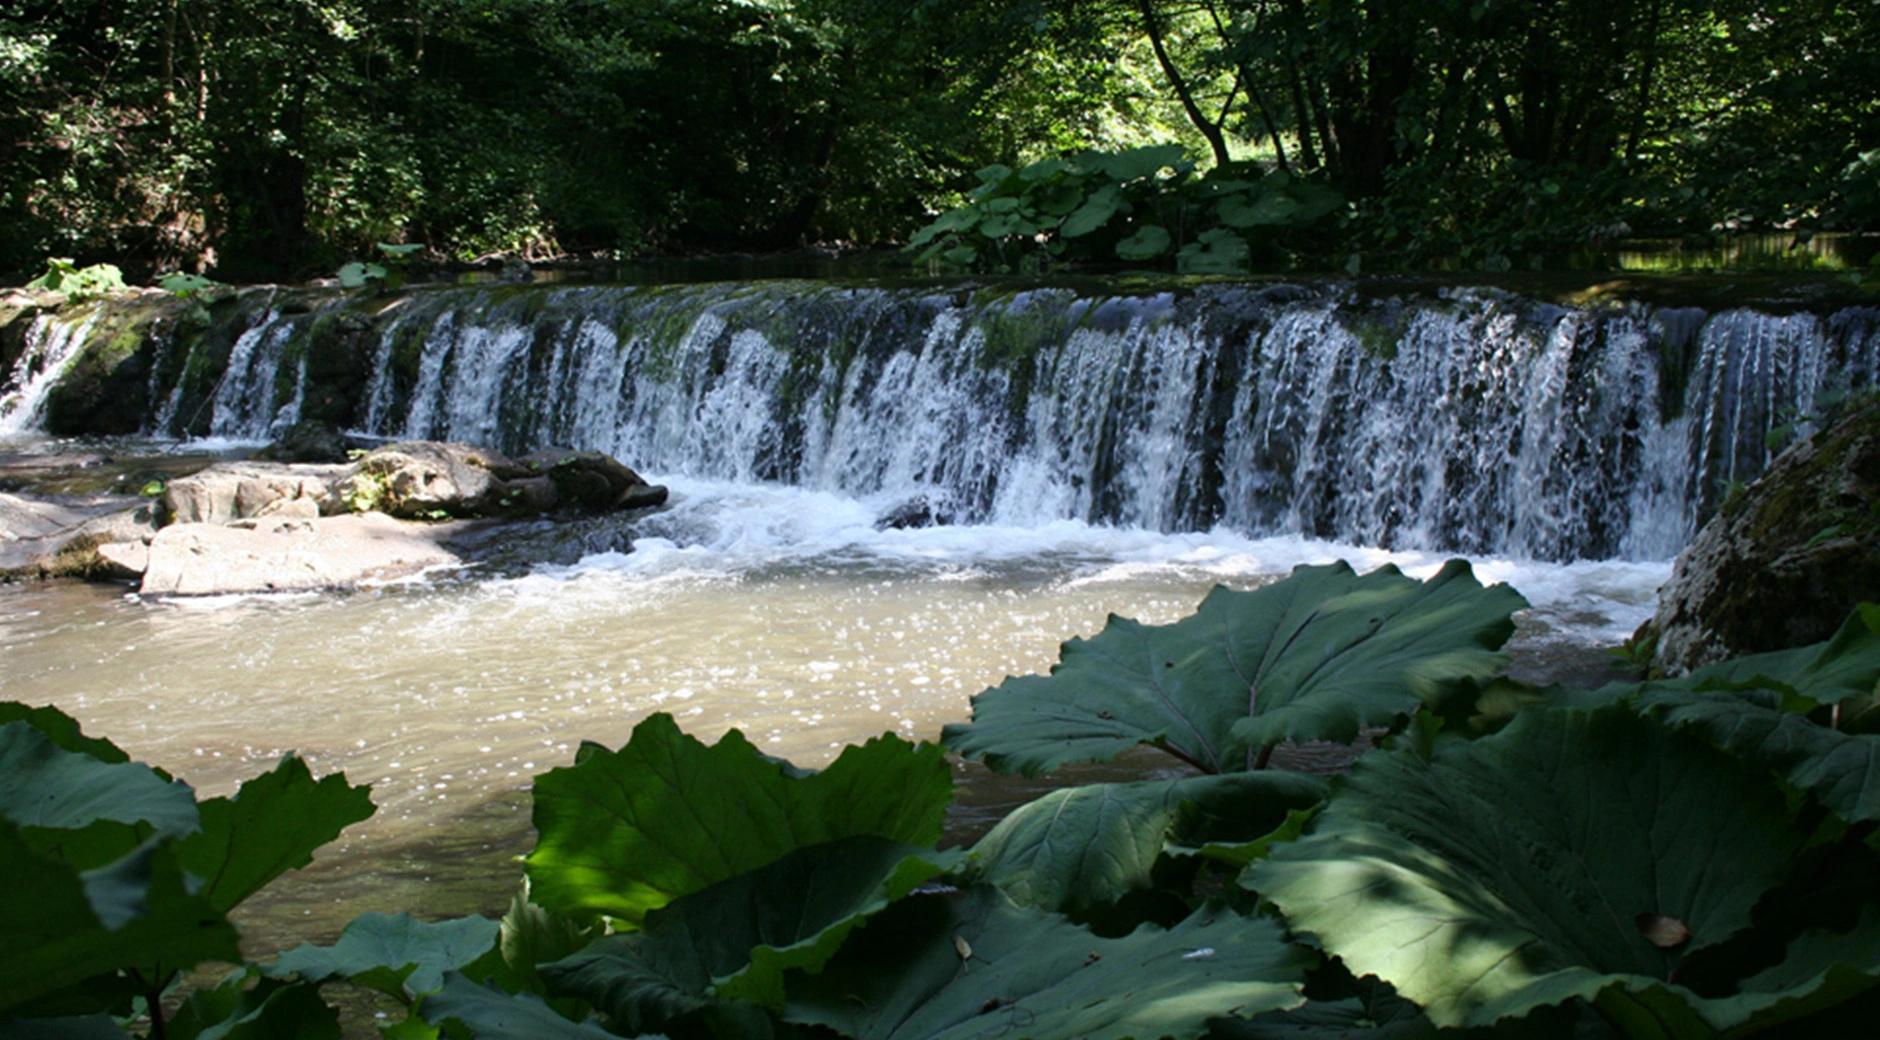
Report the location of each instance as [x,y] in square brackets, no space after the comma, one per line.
[1464,420]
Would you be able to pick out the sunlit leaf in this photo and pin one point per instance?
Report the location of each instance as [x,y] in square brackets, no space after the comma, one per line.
[1317,656]
[623,832]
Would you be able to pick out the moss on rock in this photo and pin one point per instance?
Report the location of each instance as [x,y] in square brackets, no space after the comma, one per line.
[1784,562]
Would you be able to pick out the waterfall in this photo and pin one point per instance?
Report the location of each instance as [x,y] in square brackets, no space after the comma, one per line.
[53,343]
[1465,420]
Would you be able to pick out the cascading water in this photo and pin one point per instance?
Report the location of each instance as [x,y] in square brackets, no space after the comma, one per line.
[1465,420]
[53,343]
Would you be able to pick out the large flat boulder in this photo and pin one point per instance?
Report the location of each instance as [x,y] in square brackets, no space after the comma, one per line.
[289,554]
[1784,560]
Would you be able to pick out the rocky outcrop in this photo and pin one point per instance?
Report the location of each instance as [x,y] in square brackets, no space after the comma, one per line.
[255,526]
[1785,559]
[63,536]
[231,491]
[289,555]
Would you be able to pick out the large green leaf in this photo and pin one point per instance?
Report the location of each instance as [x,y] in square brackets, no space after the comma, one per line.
[1317,656]
[1377,1014]
[71,1027]
[974,964]
[1845,666]
[491,1014]
[1571,855]
[1095,844]
[59,927]
[1093,213]
[64,731]
[623,832]
[47,788]
[392,953]
[1841,769]
[272,825]
[735,940]
[1148,242]
[269,1010]
[1133,163]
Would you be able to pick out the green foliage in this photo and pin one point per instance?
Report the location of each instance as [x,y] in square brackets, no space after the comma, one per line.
[1088,847]
[79,283]
[1100,207]
[1676,858]
[975,964]
[624,832]
[122,879]
[184,285]
[1318,656]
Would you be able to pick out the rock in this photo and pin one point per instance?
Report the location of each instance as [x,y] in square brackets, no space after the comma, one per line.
[233,490]
[308,441]
[594,481]
[123,560]
[290,555]
[1783,561]
[56,537]
[423,479]
[919,511]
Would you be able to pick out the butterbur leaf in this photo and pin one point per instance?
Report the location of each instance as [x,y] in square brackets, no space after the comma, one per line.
[734,940]
[84,810]
[1134,163]
[1033,974]
[1149,241]
[1845,666]
[269,1010]
[491,1014]
[1094,213]
[1092,845]
[1375,1014]
[392,953]
[63,730]
[271,825]
[1512,873]
[59,927]
[1317,656]
[1841,769]
[623,832]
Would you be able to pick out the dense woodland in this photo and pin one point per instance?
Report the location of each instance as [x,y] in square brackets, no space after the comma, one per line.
[279,138]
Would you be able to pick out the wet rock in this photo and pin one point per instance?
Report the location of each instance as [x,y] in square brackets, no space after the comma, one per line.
[919,511]
[124,561]
[308,441]
[1784,560]
[57,537]
[593,481]
[290,555]
[234,490]
[429,479]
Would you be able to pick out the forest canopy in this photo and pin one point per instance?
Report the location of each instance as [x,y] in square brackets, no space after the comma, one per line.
[279,138]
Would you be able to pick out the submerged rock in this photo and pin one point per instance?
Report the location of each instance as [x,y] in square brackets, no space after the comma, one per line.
[1785,559]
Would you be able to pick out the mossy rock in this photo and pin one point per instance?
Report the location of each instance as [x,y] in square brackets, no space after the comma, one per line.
[1786,558]
[105,387]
